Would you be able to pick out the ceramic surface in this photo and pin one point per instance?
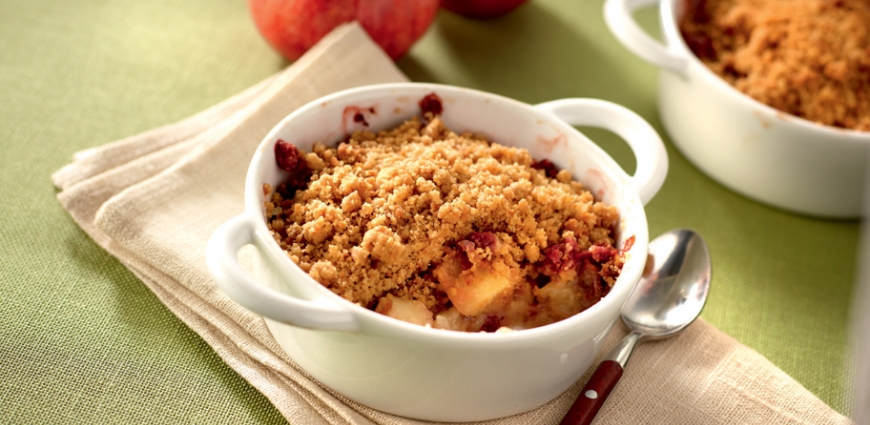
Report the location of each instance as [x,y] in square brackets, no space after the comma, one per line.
[411,370]
[765,154]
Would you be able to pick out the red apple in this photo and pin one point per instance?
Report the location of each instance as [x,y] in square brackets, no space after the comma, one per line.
[293,26]
[481,9]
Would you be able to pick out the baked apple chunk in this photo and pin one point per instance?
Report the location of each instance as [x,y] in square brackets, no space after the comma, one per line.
[474,276]
[411,311]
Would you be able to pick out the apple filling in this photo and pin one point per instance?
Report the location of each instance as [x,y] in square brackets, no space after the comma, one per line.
[486,292]
[444,230]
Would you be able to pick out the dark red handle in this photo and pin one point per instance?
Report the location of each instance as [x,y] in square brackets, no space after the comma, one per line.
[592,396]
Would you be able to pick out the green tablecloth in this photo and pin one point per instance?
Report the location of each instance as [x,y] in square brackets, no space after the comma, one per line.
[83,341]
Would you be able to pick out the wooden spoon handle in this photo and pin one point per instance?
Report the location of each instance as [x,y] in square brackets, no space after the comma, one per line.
[592,396]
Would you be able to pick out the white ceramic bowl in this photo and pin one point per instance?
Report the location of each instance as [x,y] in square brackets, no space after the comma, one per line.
[411,370]
[765,154]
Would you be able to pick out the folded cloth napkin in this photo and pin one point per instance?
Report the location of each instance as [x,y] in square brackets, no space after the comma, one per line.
[152,200]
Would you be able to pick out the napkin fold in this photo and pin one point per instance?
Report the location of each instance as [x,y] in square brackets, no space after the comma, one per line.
[153,199]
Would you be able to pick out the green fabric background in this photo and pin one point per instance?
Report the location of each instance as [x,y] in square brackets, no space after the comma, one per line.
[83,341]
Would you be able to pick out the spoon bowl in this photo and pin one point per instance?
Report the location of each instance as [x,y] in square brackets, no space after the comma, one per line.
[669,297]
[673,293]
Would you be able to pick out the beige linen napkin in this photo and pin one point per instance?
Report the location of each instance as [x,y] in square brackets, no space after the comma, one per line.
[152,200]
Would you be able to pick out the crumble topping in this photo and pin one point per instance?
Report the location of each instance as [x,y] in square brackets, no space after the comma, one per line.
[443,229]
[809,58]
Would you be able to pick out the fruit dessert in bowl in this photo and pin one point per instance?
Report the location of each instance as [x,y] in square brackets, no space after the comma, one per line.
[771,98]
[423,246]
[444,230]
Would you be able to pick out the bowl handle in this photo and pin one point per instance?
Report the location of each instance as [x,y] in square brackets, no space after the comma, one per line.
[618,16]
[648,148]
[222,259]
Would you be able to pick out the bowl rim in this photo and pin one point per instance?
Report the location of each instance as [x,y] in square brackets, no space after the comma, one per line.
[668,11]
[379,324]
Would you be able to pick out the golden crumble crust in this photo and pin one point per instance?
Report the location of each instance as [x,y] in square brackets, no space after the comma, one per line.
[809,58]
[381,212]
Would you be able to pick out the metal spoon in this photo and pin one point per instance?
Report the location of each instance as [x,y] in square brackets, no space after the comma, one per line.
[665,301]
